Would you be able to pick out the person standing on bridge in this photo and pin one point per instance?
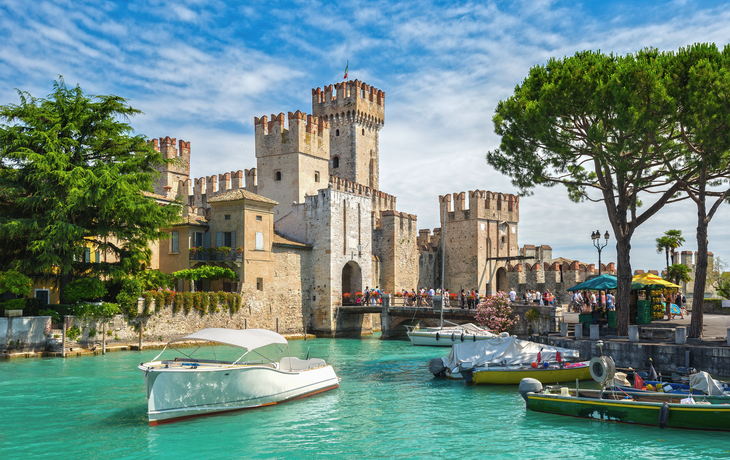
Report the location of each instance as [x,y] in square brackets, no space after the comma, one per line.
[512,295]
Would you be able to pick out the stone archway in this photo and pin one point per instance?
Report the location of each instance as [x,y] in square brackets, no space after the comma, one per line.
[351,281]
[502,280]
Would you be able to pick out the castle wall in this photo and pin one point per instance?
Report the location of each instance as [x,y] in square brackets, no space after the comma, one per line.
[337,222]
[398,251]
[176,171]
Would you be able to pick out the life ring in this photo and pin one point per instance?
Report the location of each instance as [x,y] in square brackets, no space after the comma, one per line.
[437,336]
[453,336]
[663,415]
[462,336]
[602,368]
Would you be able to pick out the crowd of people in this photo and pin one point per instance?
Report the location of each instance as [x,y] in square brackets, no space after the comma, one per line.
[587,301]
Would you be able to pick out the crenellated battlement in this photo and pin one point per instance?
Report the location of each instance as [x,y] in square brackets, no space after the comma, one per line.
[381,200]
[353,101]
[175,171]
[480,204]
[295,133]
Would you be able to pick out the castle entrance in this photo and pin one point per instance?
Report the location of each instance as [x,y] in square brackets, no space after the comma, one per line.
[502,281]
[351,282]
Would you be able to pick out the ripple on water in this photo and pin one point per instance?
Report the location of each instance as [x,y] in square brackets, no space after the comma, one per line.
[387,406]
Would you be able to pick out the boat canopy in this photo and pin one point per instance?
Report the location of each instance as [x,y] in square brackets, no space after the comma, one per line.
[507,351]
[249,339]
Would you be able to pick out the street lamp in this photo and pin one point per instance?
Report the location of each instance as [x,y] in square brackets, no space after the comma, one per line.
[359,251]
[596,237]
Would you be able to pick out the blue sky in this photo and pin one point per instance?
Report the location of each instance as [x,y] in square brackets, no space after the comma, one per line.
[201,70]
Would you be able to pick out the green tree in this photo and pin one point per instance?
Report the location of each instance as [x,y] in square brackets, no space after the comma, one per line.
[72,177]
[668,243]
[603,127]
[700,85]
[678,273]
[723,285]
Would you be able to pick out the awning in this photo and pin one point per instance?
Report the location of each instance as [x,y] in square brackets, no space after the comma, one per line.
[649,279]
[599,283]
[250,339]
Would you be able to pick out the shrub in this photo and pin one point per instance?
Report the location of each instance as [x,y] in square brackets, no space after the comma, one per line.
[532,314]
[55,317]
[188,301]
[128,295]
[92,333]
[495,313]
[84,289]
[213,301]
[169,296]
[15,282]
[73,333]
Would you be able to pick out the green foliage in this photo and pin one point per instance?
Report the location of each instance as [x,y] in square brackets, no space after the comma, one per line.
[234,302]
[55,317]
[84,289]
[92,333]
[723,286]
[678,273]
[188,301]
[73,333]
[103,310]
[209,272]
[128,295]
[13,304]
[154,279]
[73,175]
[15,282]
[668,243]
[532,315]
[213,302]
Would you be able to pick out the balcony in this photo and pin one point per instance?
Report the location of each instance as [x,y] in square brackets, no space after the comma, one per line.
[213,255]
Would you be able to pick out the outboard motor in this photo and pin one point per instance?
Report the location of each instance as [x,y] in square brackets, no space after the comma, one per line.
[467,371]
[437,368]
[528,385]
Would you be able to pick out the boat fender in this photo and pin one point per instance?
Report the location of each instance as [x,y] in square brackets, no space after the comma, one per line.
[453,336]
[663,415]
[475,337]
[462,336]
[437,336]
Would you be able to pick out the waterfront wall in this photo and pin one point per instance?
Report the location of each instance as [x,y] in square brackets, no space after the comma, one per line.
[24,333]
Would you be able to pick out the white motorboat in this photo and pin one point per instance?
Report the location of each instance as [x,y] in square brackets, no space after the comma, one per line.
[188,387]
[446,336]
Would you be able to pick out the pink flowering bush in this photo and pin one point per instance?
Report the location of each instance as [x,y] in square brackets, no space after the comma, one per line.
[495,313]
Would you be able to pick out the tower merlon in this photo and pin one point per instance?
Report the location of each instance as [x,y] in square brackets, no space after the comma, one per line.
[354,96]
[296,132]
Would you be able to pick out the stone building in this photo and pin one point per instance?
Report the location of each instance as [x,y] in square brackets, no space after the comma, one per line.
[308,223]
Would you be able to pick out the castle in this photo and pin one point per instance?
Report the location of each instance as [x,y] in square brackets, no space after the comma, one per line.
[309,224]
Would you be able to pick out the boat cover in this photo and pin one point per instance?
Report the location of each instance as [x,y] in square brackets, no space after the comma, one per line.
[508,351]
[704,382]
[250,339]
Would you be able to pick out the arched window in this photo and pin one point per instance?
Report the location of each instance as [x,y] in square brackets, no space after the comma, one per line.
[337,133]
[277,175]
[336,162]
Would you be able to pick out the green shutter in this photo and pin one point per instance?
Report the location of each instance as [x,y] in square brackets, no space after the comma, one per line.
[206,240]
[233,240]
[219,239]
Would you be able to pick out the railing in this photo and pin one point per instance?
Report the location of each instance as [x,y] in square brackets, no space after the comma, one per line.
[216,255]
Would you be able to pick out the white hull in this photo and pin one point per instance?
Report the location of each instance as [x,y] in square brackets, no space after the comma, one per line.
[445,338]
[177,391]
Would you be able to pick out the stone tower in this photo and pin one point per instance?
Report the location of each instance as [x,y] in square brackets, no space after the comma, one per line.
[175,173]
[292,159]
[479,232]
[355,112]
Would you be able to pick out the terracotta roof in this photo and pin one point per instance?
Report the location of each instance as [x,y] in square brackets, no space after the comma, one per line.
[156,196]
[240,194]
[196,220]
[280,240]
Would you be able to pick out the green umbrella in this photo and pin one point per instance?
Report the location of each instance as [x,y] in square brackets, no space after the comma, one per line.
[599,283]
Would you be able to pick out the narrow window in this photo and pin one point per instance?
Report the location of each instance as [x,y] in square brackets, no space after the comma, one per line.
[258,219]
[227,217]
[316,176]
[277,175]
[337,132]
[87,255]
[259,284]
[174,242]
[97,256]
[227,240]
[336,162]
[363,131]
[259,241]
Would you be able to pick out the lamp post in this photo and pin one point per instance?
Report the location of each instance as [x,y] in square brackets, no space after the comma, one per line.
[596,237]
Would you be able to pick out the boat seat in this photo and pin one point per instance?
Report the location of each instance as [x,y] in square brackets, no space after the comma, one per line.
[297,364]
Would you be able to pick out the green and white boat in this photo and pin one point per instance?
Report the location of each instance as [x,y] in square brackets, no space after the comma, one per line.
[657,409]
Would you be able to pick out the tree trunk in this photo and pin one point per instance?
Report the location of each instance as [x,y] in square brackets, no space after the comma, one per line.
[698,298]
[623,288]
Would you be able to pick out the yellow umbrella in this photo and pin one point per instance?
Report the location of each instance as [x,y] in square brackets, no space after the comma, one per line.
[649,279]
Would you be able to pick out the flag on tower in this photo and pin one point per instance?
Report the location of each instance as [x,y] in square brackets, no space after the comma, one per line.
[346,67]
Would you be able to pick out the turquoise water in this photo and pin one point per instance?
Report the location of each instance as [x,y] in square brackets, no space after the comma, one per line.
[387,407]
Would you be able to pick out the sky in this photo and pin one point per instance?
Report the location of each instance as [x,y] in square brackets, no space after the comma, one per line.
[202,70]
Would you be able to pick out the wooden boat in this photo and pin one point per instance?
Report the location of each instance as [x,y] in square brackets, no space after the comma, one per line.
[645,409]
[446,336]
[513,376]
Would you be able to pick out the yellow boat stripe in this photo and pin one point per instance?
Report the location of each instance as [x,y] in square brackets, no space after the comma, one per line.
[629,402]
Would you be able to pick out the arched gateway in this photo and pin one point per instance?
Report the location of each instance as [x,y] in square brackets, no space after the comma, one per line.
[351,280]
[502,281]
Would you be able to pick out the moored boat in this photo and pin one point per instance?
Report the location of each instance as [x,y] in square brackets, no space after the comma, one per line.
[446,336]
[507,360]
[188,387]
[648,408]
